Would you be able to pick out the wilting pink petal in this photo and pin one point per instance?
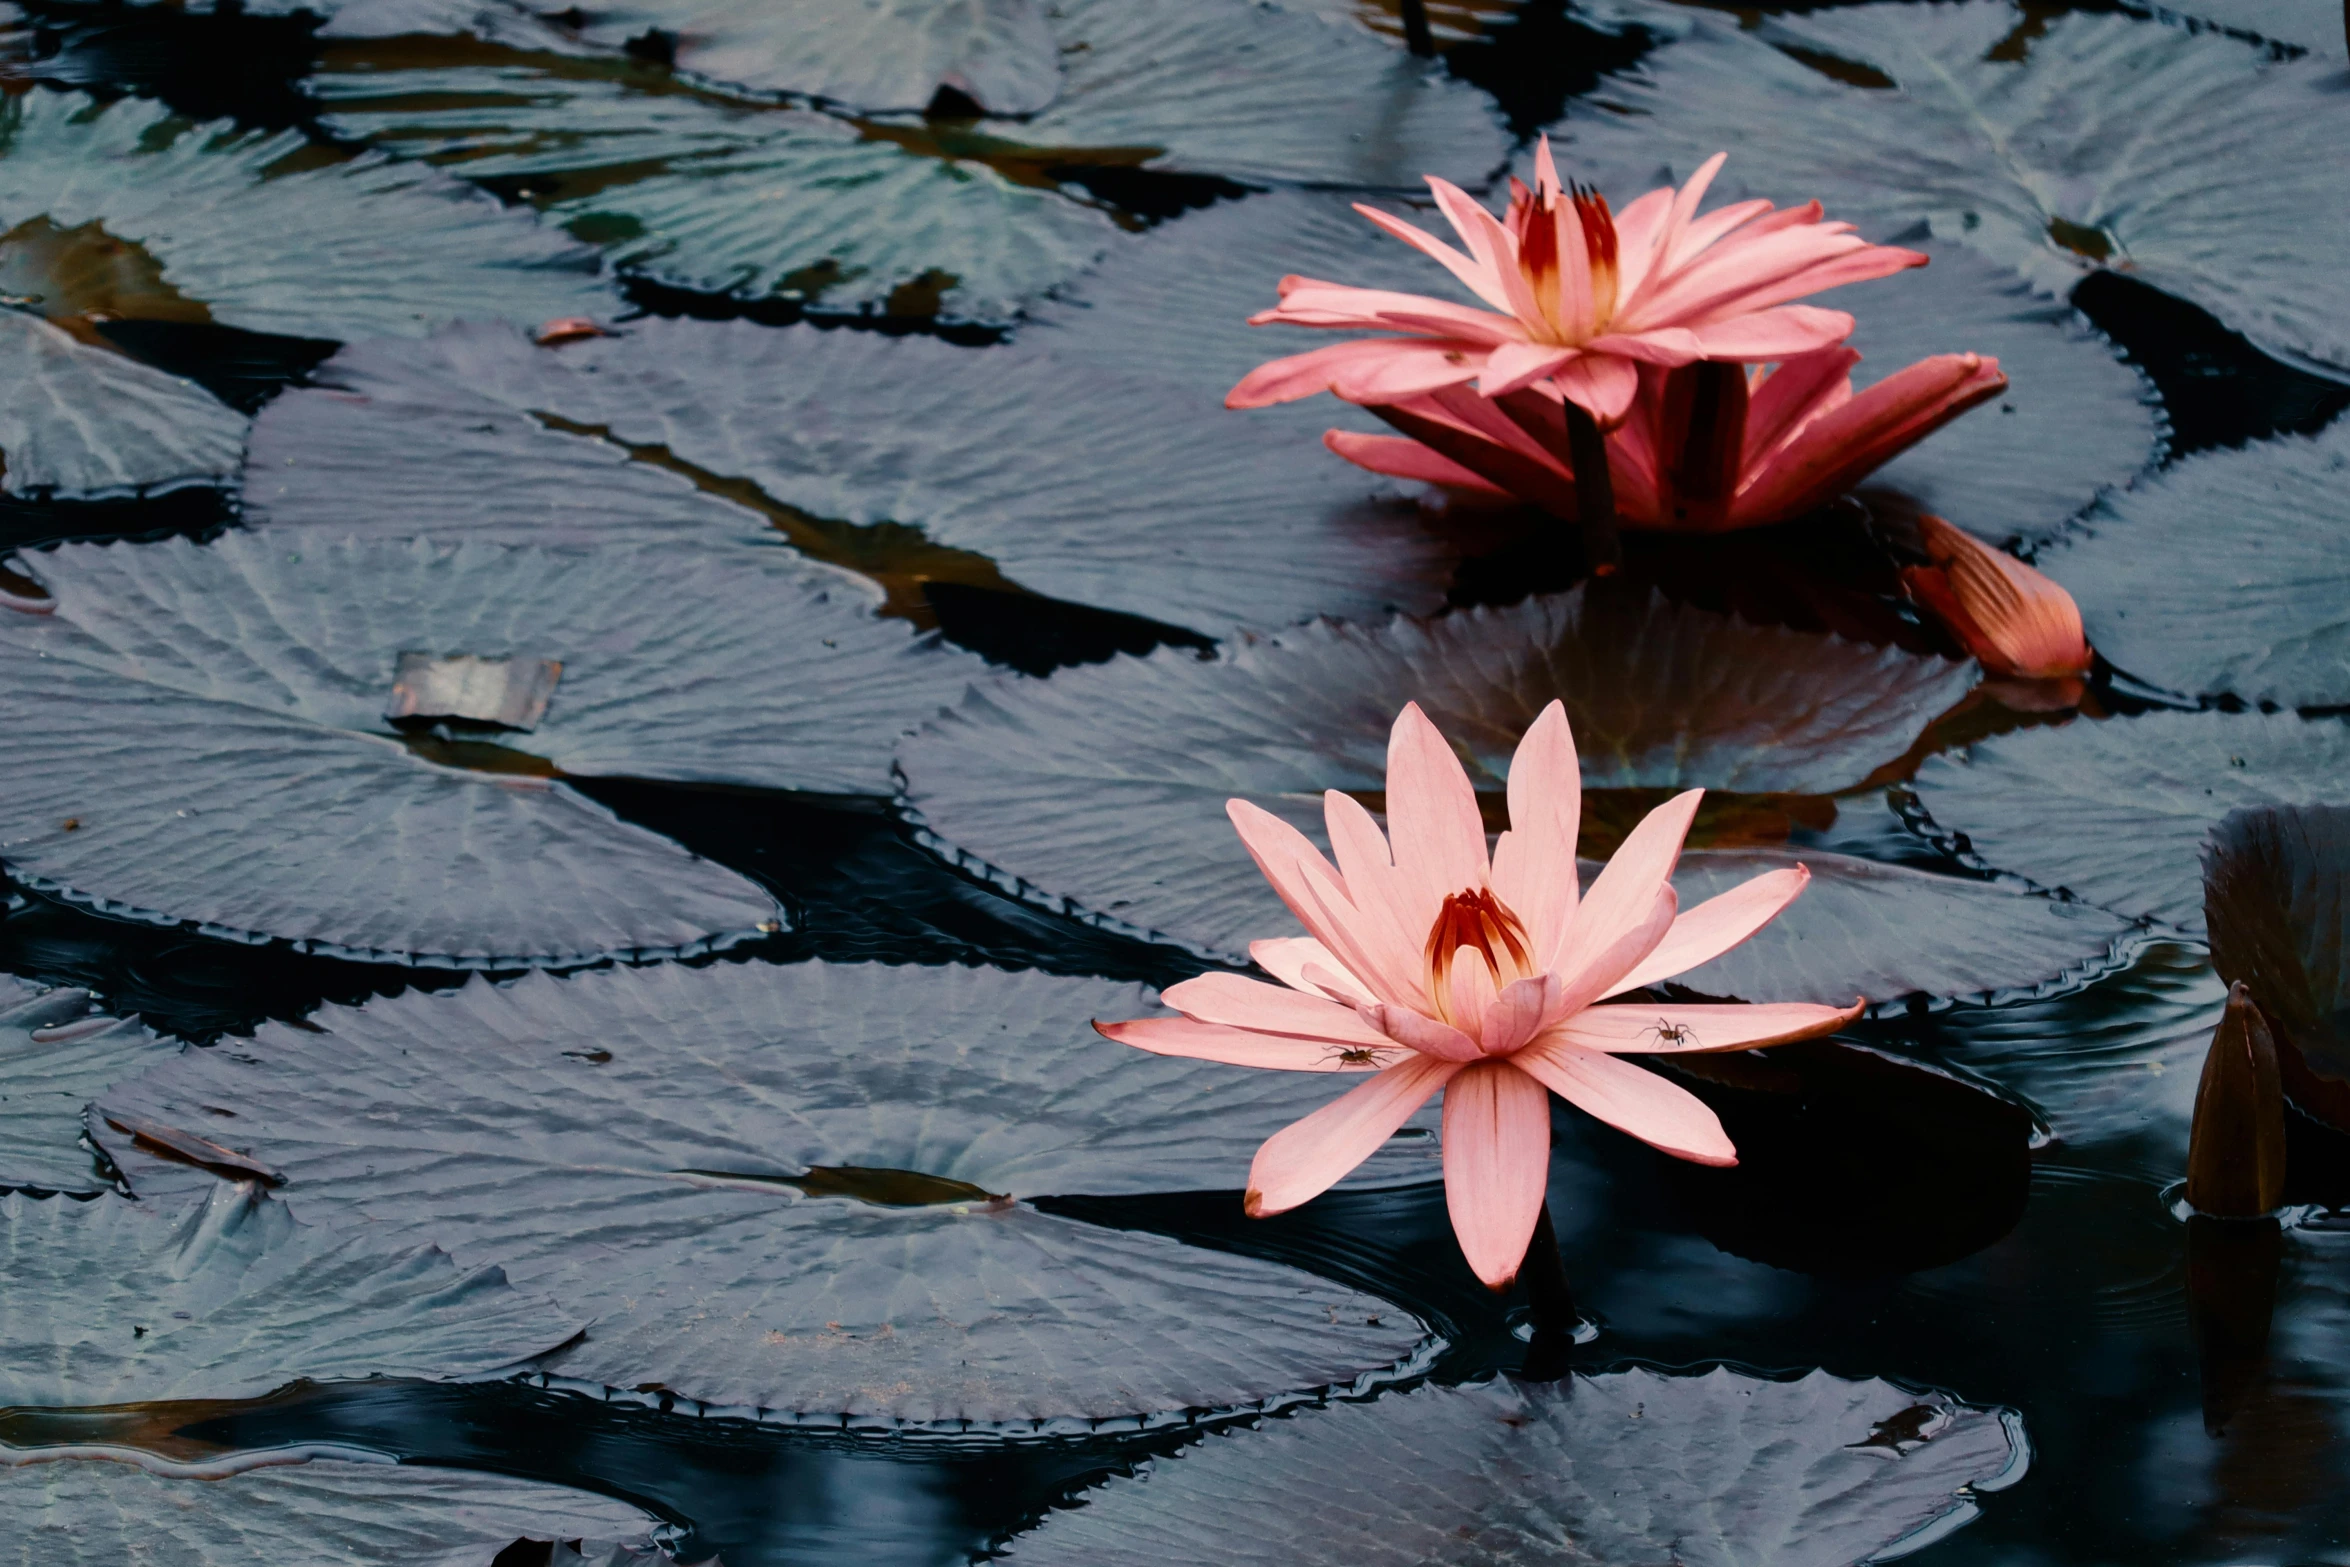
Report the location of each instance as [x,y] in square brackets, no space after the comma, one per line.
[1432,817]
[1723,921]
[2010,617]
[1790,396]
[1847,443]
[1536,479]
[1669,1028]
[1305,964]
[1630,1099]
[1496,1165]
[1182,1036]
[1241,1002]
[1305,1159]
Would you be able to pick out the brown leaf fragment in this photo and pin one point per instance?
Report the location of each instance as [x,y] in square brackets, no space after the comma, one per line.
[2236,1151]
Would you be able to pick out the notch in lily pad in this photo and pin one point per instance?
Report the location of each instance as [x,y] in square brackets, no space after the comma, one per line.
[501,693]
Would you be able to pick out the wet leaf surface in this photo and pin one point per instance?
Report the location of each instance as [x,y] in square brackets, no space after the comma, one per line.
[2264,619]
[247,680]
[226,1296]
[663,1193]
[369,1515]
[1715,1468]
[2115,813]
[2023,141]
[57,1053]
[907,459]
[78,420]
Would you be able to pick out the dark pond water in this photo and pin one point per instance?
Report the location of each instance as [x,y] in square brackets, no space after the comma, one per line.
[1973,1194]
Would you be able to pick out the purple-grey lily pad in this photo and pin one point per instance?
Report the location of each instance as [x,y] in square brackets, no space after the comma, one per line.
[56,1055]
[2314,26]
[297,1515]
[1711,1470]
[2075,418]
[198,735]
[2027,142]
[110,1302]
[1101,792]
[82,421]
[1066,480]
[2264,615]
[800,1189]
[2115,813]
[358,248]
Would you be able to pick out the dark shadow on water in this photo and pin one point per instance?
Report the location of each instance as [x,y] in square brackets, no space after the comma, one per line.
[196,511]
[243,369]
[228,65]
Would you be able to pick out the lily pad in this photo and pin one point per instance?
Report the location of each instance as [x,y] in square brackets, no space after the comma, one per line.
[724,196]
[199,735]
[82,421]
[907,458]
[801,1189]
[362,1514]
[1630,1466]
[2311,25]
[110,1303]
[359,248]
[56,1055]
[2273,884]
[2266,618]
[2028,143]
[2115,813]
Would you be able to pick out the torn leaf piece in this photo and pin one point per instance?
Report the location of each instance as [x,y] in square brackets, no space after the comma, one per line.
[672,1192]
[2115,812]
[349,249]
[226,1296]
[2034,152]
[511,693]
[296,1515]
[881,454]
[56,1054]
[210,720]
[1709,1470]
[80,422]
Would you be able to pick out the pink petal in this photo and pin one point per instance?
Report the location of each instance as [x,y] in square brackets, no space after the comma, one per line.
[1240,1002]
[1304,1160]
[1496,1165]
[1303,375]
[1668,346]
[1589,971]
[1639,229]
[1715,926]
[1780,333]
[1475,270]
[1432,820]
[1600,384]
[1684,209]
[1279,850]
[1400,458]
[1799,390]
[1629,1098]
[1520,1012]
[1181,1036]
[1637,1028]
[1383,922]
[1302,963]
[2012,618]
[1623,898]
[1847,443]
[1416,1031]
[1338,305]
[1492,244]
[1519,364]
[1427,363]
[1534,864]
[1534,479]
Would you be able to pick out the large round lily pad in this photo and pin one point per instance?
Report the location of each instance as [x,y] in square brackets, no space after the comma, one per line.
[2115,813]
[200,732]
[359,248]
[2266,618]
[1631,1466]
[56,1054]
[801,1189]
[1101,792]
[82,421]
[2030,143]
[1176,301]
[362,1515]
[898,456]
[109,1302]
[723,196]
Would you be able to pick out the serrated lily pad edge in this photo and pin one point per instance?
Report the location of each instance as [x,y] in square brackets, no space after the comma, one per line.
[1918,817]
[114,908]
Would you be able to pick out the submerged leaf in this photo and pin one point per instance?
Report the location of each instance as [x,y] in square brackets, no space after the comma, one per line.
[56,1055]
[672,1192]
[2039,156]
[338,250]
[200,736]
[359,1514]
[2115,812]
[111,1302]
[1630,1466]
[910,460]
[2224,574]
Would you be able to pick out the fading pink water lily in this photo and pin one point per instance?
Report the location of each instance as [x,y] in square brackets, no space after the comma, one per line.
[1431,967]
[1580,297]
[1703,448]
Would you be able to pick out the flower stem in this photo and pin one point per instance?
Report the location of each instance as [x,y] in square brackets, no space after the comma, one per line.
[1595,491]
[1421,42]
[1551,1304]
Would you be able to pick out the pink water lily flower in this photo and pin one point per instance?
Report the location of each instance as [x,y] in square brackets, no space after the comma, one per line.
[1580,297]
[1703,448]
[1430,967]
